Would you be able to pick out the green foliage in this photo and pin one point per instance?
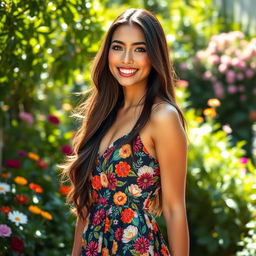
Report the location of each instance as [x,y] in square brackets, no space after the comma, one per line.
[38,147]
[220,189]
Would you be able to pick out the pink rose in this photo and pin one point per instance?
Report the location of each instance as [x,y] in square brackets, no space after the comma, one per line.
[230,76]
[27,117]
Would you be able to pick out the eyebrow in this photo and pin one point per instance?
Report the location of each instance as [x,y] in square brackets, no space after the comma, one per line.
[120,42]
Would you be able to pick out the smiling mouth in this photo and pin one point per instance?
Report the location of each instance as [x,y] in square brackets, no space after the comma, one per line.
[127,72]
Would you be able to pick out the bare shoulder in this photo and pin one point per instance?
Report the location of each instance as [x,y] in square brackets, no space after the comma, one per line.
[163,113]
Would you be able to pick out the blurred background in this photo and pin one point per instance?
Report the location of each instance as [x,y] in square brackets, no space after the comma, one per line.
[46,49]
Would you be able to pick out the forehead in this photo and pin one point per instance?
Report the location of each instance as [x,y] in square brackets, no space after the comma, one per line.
[128,34]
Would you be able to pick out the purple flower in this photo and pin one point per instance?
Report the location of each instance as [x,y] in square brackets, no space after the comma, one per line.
[112,181]
[118,233]
[249,73]
[232,89]
[230,76]
[27,117]
[243,160]
[5,231]
[145,180]
[22,153]
[218,90]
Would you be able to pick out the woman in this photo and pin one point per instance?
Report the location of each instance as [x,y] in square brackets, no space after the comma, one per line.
[132,134]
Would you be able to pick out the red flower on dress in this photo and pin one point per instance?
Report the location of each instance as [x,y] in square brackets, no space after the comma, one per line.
[96,183]
[118,233]
[112,181]
[98,217]
[164,250]
[137,145]
[122,169]
[141,245]
[107,225]
[127,215]
[17,244]
[91,249]
[145,180]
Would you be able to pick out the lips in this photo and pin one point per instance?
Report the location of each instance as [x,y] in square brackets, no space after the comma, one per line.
[127,72]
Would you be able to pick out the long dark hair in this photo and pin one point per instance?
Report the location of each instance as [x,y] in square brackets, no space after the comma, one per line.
[99,111]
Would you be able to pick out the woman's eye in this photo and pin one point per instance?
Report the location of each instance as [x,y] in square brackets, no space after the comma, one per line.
[140,49]
[116,47]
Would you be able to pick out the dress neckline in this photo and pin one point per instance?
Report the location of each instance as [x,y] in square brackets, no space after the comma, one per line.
[112,144]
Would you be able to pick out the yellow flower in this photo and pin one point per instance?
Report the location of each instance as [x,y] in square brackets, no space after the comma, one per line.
[34,209]
[33,156]
[199,119]
[125,151]
[213,102]
[46,215]
[20,180]
[209,112]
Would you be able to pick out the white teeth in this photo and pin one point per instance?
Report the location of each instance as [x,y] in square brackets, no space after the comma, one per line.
[127,71]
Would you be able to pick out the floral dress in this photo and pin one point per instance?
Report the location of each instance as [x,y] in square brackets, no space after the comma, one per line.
[119,222]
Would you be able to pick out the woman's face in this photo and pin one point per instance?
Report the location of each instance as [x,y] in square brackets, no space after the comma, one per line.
[128,59]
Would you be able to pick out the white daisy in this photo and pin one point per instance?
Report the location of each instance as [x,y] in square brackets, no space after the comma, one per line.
[146,169]
[17,217]
[4,187]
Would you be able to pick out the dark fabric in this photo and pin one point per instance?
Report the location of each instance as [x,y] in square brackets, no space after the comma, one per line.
[119,222]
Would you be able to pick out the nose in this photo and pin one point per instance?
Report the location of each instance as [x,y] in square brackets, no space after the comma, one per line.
[127,57]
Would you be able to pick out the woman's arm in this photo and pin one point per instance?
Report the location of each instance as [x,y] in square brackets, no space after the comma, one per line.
[171,150]
[77,244]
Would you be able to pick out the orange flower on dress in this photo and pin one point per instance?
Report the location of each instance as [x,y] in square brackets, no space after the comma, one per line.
[37,188]
[107,225]
[64,190]
[122,169]
[105,252]
[127,215]
[210,112]
[120,198]
[125,151]
[155,227]
[114,247]
[96,182]
[164,250]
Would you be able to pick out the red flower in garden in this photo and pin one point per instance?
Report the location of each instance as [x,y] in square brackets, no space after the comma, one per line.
[64,190]
[17,244]
[42,164]
[53,119]
[66,149]
[36,188]
[22,199]
[12,163]
[5,210]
